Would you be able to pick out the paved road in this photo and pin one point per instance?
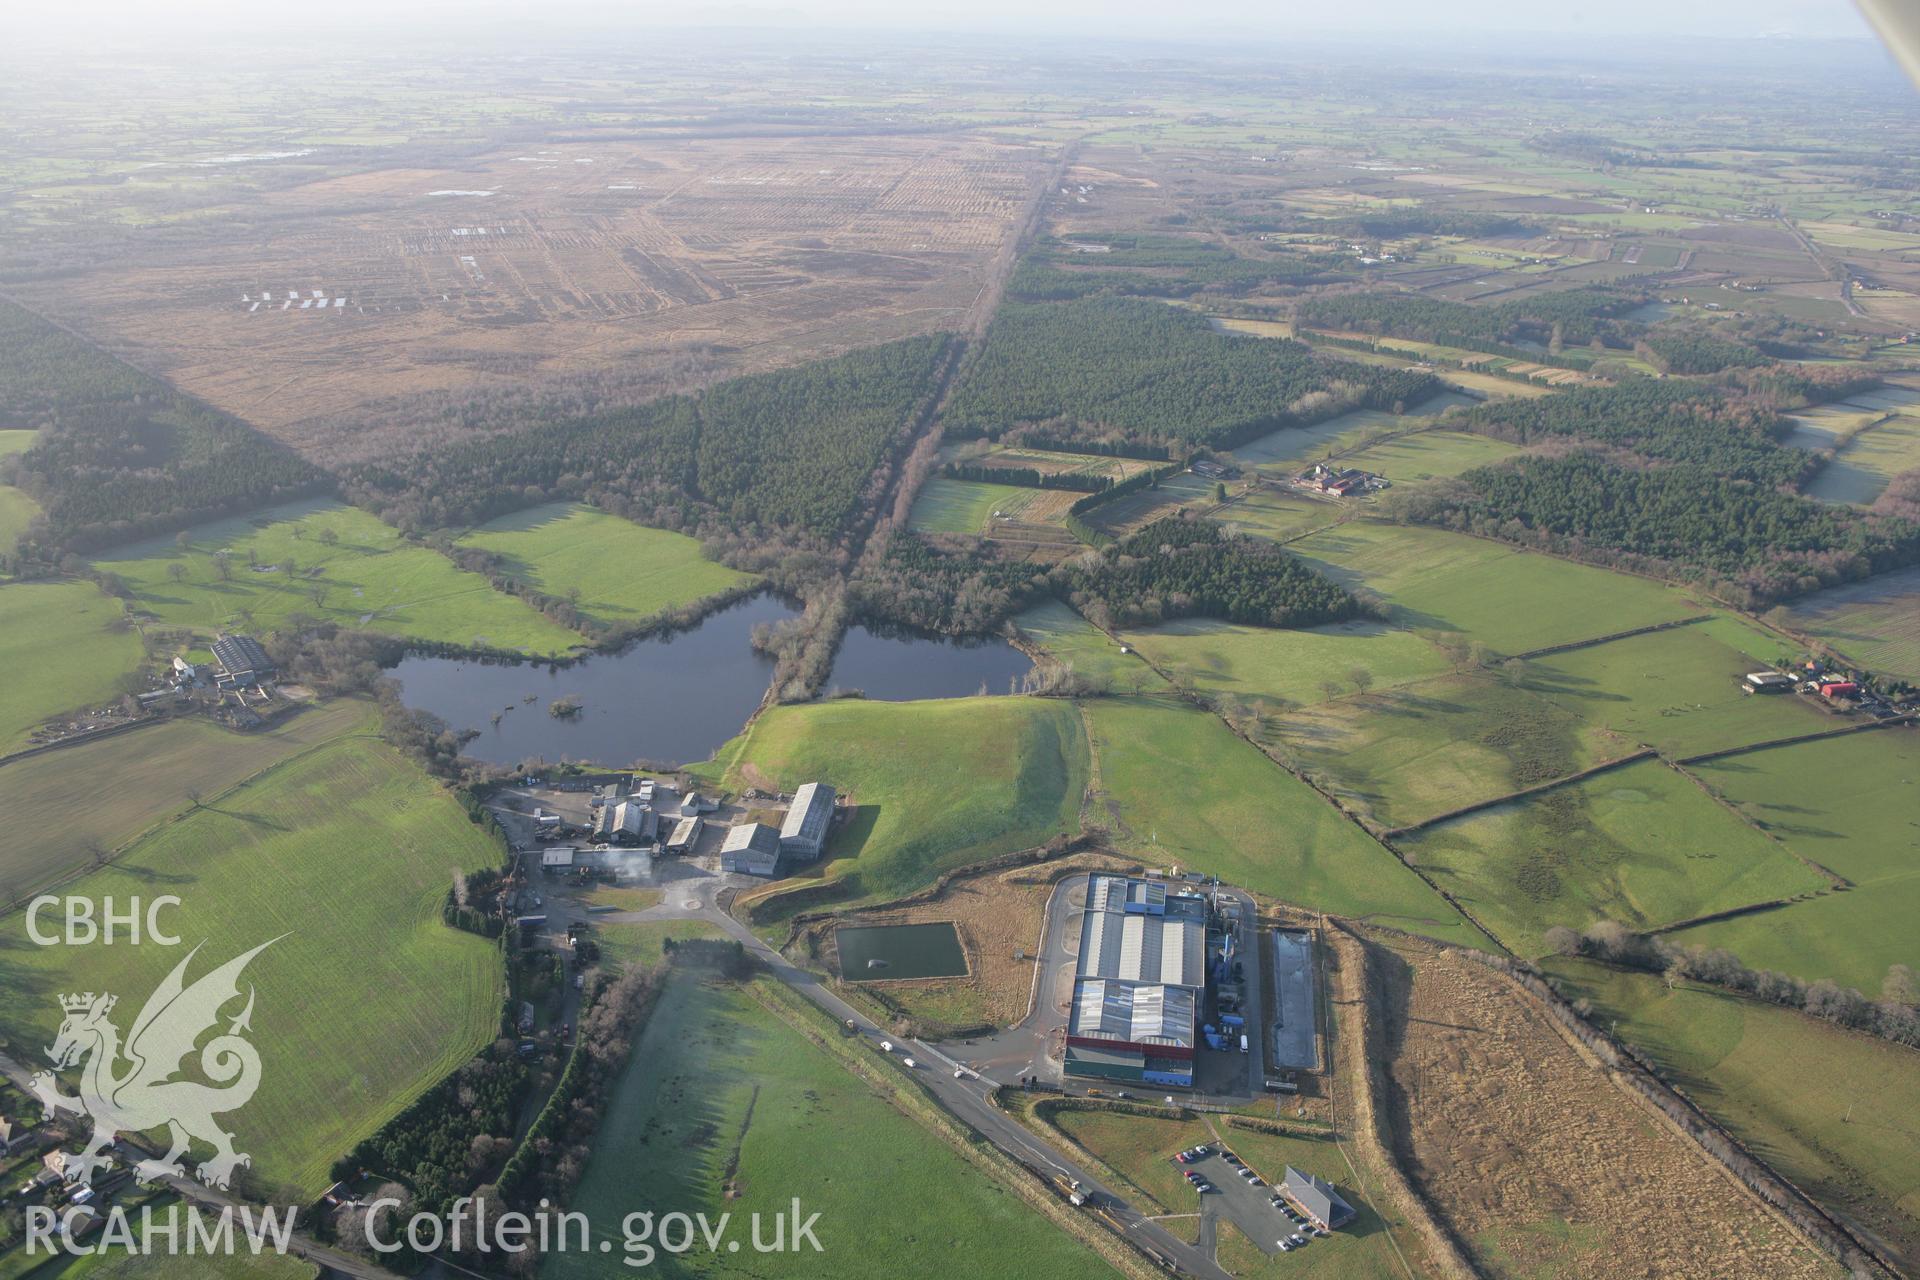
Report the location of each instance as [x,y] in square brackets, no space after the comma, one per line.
[968,1099]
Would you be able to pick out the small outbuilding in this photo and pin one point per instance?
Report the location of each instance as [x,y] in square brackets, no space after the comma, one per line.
[751,848]
[686,833]
[1321,1202]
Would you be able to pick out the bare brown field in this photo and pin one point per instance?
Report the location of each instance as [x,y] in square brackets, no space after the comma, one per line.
[695,257]
[1531,1158]
[998,916]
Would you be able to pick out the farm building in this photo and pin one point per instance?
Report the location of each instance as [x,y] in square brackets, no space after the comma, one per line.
[686,833]
[556,859]
[803,835]
[241,660]
[752,848]
[634,823]
[1768,682]
[1136,993]
[1321,1202]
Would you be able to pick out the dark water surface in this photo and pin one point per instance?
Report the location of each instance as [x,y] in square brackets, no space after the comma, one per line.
[900,666]
[671,698]
[874,953]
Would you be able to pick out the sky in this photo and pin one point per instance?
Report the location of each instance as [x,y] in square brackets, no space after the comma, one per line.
[1556,20]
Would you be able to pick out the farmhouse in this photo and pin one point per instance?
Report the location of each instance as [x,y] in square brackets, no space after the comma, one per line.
[803,836]
[240,660]
[1142,971]
[1339,482]
[1321,1202]
[752,848]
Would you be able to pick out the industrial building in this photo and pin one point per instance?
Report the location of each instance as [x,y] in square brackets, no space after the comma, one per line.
[634,822]
[1137,990]
[1318,1199]
[803,836]
[752,848]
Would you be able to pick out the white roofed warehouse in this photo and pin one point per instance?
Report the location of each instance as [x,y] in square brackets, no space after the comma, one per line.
[752,848]
[803,836]
[1141,976]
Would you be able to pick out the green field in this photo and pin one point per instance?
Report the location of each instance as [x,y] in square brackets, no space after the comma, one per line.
[624,573]
[1513,601]
[1678,690]
[1403,755]
[1176,786]
[65,805]
[1143,506]
[1429,455]
[63,646]
[17,510]
[1875,622]
[369,576]
[1276,513]
[936,784]
[1848,804]
[1639,844]
[945,505]
[1864,465]
[1141,1149]
[1296,447]
[726,1108]
[1832,1110]
[1066,637]
[1272,669]
[345,856]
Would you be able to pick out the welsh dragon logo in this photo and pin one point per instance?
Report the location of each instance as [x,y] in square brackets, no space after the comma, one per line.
[143,1094]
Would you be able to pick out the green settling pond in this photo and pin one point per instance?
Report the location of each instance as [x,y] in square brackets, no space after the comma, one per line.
[875,953]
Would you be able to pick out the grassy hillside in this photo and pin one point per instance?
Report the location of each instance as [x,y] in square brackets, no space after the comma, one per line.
[1639,844]
[936,784]
[63,646]
[1273,668]
[66,805]
[624,572]
[330,562]
[344,855]
[1830,1109]
[725,1108]
[1177,786]
[1511,600]
[1401,756]
[1849,804]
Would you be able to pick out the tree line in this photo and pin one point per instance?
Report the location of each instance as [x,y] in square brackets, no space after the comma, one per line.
[1130,370]
[1571,316]
[1027,477]
[120,455]
[1753,543]
[789,450]
[1176,567]
[1894,1016]
[1671,421]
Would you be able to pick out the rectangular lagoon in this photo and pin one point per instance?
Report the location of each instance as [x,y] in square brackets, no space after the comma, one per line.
[872,953]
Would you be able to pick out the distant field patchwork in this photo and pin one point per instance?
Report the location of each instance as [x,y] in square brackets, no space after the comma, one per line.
[1875,622]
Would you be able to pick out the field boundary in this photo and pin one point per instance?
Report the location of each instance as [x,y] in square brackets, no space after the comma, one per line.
[1572,645]
[1722,753]
[1833,878]
[1525,793]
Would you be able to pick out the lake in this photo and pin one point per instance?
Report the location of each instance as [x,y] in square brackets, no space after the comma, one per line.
[670,699]
[874,953]
[893,665]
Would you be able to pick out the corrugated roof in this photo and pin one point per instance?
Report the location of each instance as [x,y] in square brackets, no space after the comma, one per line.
[1143,948]
[810,814]
[1136,1013]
